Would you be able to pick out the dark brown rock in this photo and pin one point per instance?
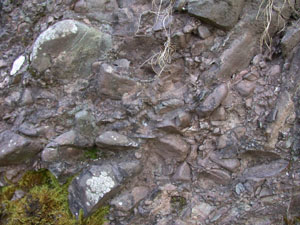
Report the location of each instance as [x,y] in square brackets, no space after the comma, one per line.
[213,100]
[171,146]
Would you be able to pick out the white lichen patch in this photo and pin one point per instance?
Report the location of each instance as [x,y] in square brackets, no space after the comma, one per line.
[97,187]
[17,65]
[58,30]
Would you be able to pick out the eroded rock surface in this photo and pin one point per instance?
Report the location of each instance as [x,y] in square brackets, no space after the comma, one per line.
[183,113]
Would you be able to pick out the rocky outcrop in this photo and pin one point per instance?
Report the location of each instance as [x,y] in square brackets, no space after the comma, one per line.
[212,136]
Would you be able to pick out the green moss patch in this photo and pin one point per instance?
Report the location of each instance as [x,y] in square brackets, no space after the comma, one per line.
[45,202]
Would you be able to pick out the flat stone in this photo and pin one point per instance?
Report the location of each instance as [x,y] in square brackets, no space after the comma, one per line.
[16,149]
[116,141]
[230,164]
[223,14]
[213,100]
[266,170]
[68,49]
[218,176]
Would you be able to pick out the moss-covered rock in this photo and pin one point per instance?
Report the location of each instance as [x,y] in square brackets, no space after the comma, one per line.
[45,202]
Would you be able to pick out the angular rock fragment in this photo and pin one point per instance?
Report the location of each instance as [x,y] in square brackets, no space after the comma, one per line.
[112,84]
[16,149]
[213,100]
[68,48]
[230,164]
[223,14]
[65,147]
[171,146]
[86,125]
[97,184]
[201,211]
[245,88]
[183,173]
[129,199]
[290,39]
[218,176]
[266,170]
[114,140]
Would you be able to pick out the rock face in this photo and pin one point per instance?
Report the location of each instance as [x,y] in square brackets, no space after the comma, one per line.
[68,48]
[213,136]
[97,184]
[223,14]
[16,149]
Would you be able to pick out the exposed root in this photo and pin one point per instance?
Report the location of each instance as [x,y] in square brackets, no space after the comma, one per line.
[267,12]
[164,56]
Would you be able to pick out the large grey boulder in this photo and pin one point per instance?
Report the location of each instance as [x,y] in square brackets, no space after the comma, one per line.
[68,48]
[98,183]
[223,14]
[16,149]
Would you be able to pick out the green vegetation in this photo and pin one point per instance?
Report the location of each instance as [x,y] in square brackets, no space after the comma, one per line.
[45,202]
[178,203]
[92,153]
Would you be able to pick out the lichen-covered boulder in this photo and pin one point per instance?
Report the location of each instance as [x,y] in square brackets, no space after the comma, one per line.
[223,14]
[98,183]
[16,149]
[68,48]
